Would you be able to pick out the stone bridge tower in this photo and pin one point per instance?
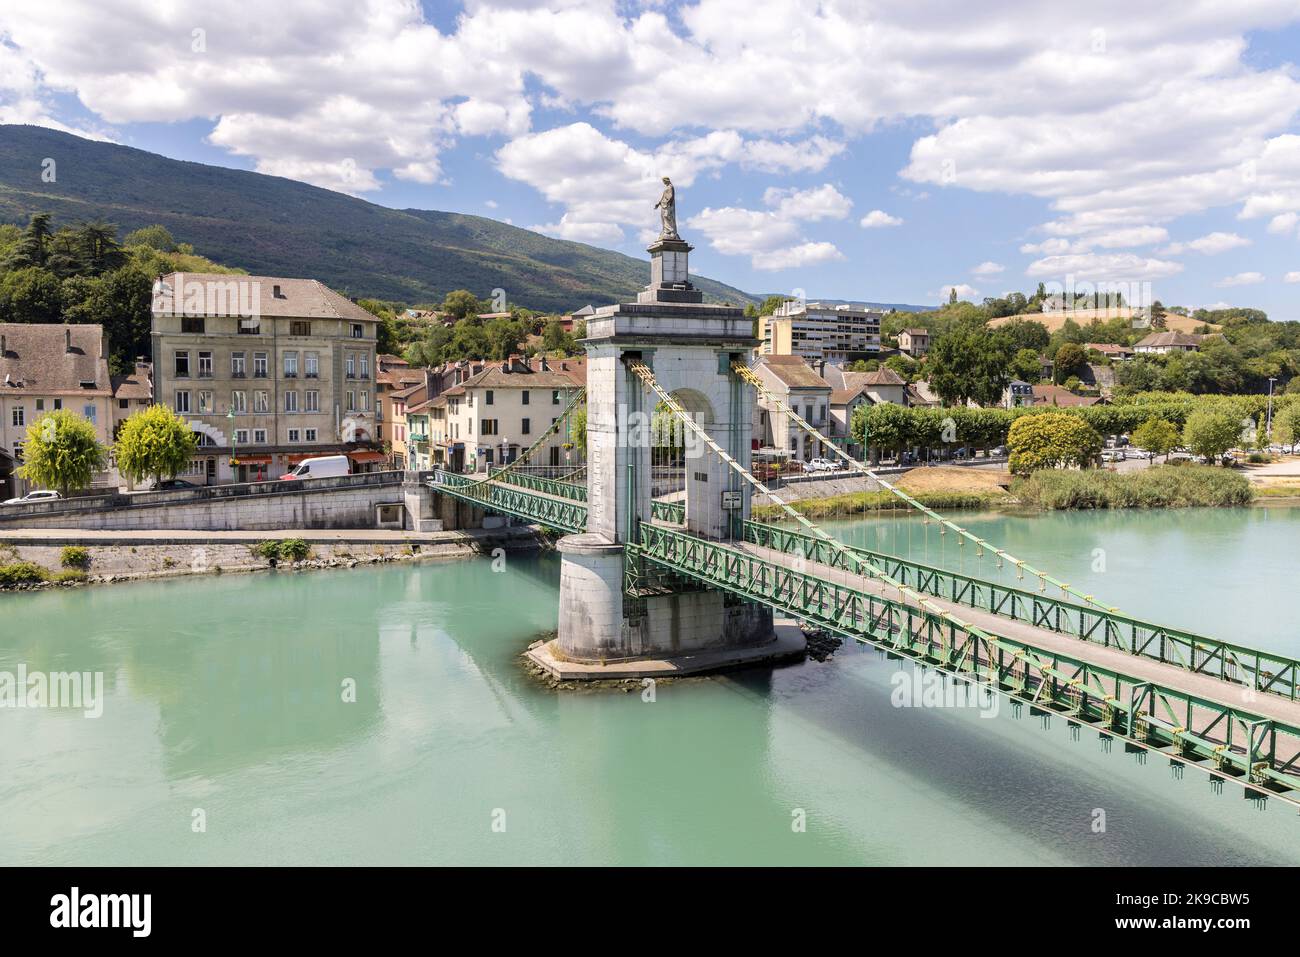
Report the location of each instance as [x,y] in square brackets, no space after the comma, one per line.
[690,347]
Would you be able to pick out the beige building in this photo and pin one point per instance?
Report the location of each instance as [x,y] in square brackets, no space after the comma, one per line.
[791,380]
[815,331]
[46,367]
[493,415]
[915,342]
[267,370]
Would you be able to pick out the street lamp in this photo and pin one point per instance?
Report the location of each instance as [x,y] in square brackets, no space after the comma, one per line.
[1268,429]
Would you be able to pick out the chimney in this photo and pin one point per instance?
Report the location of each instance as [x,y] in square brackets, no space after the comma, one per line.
[546,366]
[67,340]
[3,351]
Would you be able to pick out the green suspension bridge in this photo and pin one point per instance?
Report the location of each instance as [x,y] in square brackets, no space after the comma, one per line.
[1231,710]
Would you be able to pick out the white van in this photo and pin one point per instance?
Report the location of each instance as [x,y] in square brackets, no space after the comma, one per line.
[322,466]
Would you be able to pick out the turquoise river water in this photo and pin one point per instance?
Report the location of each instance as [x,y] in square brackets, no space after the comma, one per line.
[225,737]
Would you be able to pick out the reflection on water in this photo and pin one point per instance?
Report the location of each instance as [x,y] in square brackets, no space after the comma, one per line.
[227,694]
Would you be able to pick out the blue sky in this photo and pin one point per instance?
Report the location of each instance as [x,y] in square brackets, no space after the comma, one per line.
[876,151]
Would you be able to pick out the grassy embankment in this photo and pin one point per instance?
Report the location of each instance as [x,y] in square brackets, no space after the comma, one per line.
[1163,486]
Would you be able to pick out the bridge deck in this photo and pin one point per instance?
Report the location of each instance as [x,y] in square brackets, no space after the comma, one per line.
[1203,686]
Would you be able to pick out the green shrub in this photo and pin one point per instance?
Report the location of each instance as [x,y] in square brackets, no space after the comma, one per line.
[857,502]
[1259,458]
[288,550]
[74,575]
[22,573]
[1160,487]
[74,556]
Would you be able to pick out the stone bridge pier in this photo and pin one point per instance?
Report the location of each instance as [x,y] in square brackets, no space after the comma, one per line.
[603,630]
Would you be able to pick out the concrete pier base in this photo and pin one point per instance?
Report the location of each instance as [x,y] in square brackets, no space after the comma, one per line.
[683,632]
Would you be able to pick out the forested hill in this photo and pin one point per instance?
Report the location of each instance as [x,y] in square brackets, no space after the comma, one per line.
[273,226]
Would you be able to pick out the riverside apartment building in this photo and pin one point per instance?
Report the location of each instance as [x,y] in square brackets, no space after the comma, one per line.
[267,370]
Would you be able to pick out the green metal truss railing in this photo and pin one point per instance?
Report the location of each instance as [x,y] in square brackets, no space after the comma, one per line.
[1239,743]
[560,514]
[1238,664]
[559,489]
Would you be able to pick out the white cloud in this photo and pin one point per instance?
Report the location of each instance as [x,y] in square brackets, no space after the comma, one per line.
[1102,267]
[1209,245]
[878,218]
[1291,277]
[824,202]
[772,238]
[1283,223]
[988,269]
[1241,279]
[963,292]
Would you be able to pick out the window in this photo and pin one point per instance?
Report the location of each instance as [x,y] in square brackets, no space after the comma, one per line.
[260,401]
[365,366]
[291,365]
[237,365]
[88,412]
[299,328]
[182,365]
[311,435]
[488,397]
[350,367]
[182,403]
[488,427]
[311,364]
[293,435]
[312,403]
[555,397]
[249,327]
[357,331]
[241,436]
[527,426]
[192,324]
[58,404]
[259,436]
[123,403]
[291,401]
[352,401]
[239,402]
[205,402]
[205,365]
[18,416]
[259,365]
[40,405]
[525,397]
[365,401]
[18,452]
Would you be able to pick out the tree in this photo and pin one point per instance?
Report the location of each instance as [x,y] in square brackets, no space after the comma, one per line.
[461,304]
[952,296]
[555,339]
[1048,440]
[1158,313]
[1070,360]
[882,428]
[33,248]
[154,442]
[155,237]
[98,247]
[1210,433]
[970,363]
[1286,425]
[1158,436]
[1026,334]
[62,451]
[771,304]
[31,294]
[1027,366]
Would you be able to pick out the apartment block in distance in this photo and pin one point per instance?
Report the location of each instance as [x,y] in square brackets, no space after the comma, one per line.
[268,371]
[820,332]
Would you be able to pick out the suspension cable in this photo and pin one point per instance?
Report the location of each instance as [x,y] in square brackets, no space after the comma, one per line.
[750,376]
[643,372]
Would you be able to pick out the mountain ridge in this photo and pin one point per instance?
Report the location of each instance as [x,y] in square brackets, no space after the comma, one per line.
[276,226]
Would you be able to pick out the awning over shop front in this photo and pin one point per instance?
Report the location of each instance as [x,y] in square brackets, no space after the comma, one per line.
[295,458]
[366,457]
[250,459]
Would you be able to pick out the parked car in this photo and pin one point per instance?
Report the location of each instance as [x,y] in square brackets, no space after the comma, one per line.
[998,450]
[818,465]
[35,495]
[171,485]
[1113,455]
[323,466]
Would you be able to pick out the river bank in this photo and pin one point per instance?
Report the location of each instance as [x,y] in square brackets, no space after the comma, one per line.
[109,557]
